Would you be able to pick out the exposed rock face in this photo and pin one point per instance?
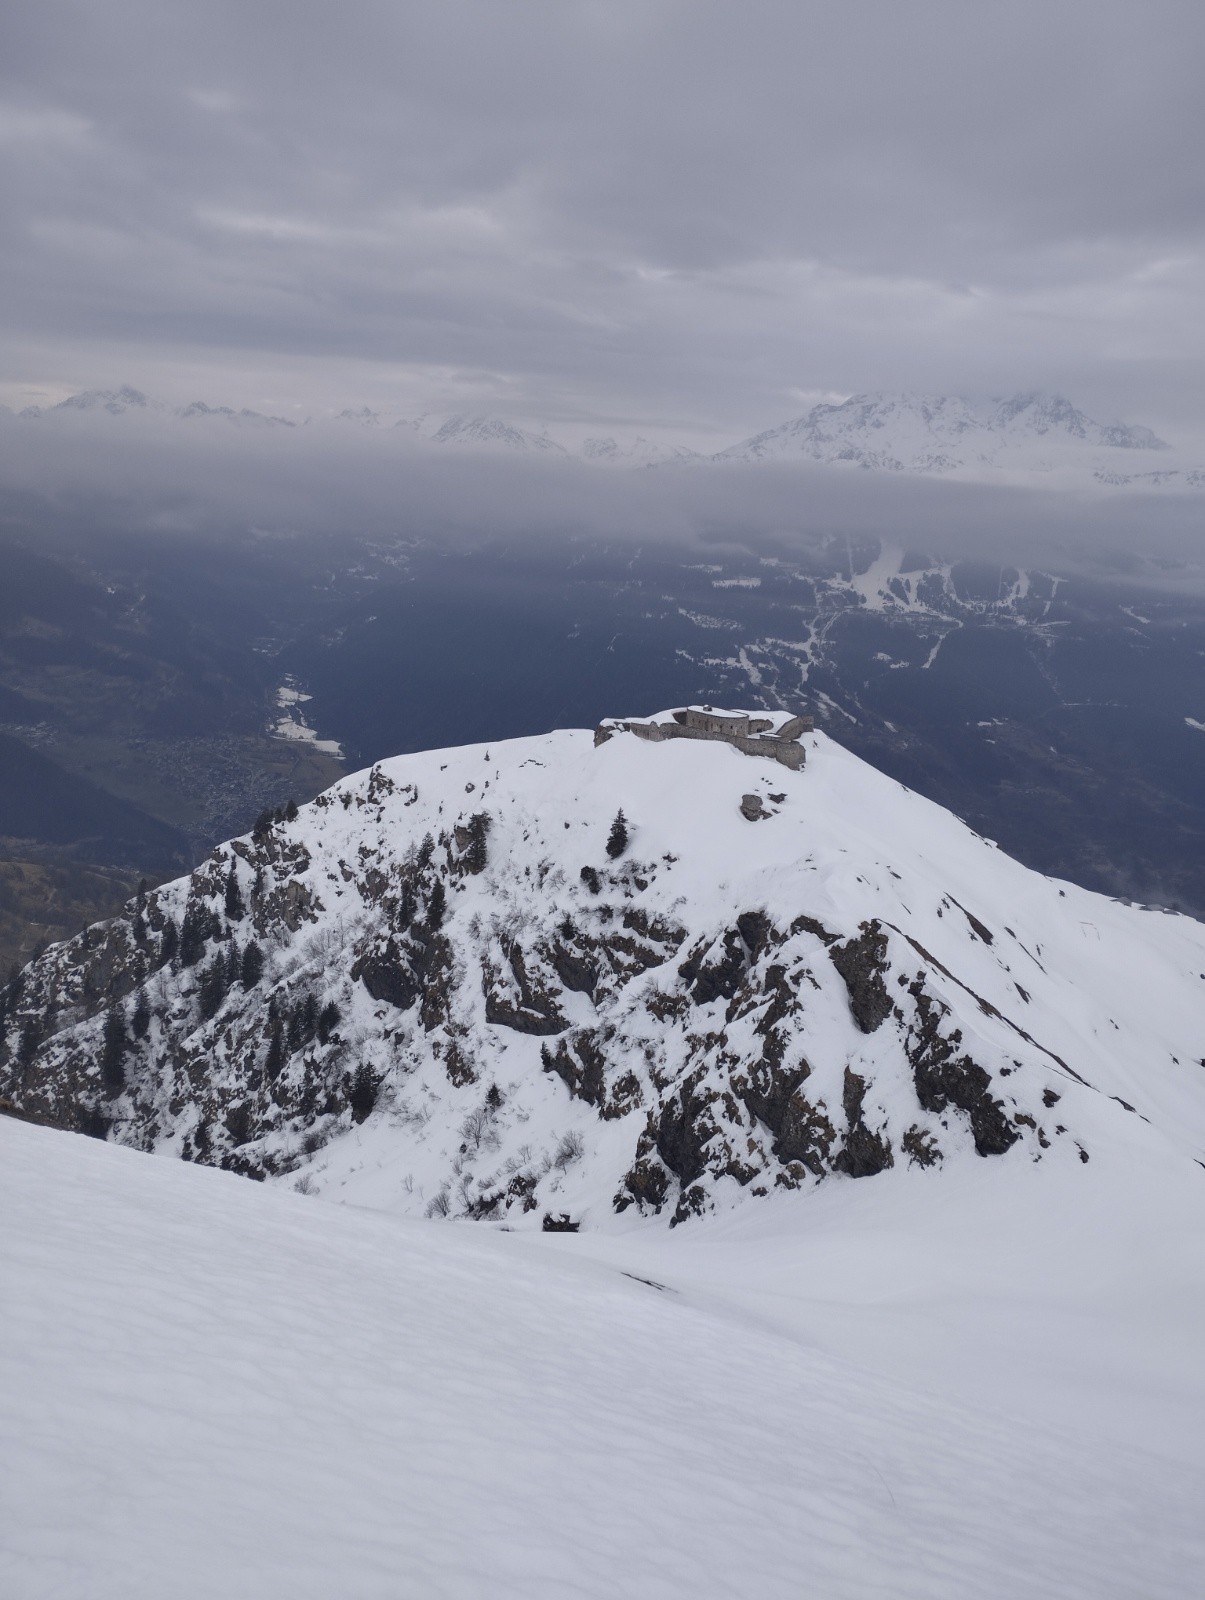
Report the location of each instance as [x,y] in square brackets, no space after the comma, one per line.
[945,1078]
[864,1153]
[862,963]
[674,1030]
[580,1064]
[802,1133]
[525,1002]
[387,975]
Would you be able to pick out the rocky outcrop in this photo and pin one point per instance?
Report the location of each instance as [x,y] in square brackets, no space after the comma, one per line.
[864,1153]
[862,963]
[945,1078]
[524,1002]
[535,1034]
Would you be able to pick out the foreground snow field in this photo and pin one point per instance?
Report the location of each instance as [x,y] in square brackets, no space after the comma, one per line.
[967,1384]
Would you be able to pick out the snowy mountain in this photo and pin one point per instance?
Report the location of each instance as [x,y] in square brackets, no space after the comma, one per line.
[493,434]
[198,408]
[638,452]
[115,401]
[435,989]
[1028,433]
[126,401]
[1027,436]
[452,986]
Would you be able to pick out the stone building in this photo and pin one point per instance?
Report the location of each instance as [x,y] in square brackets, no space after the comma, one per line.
[773,733]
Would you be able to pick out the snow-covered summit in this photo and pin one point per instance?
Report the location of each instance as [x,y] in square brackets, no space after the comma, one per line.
[947,434]
[198,408]
[637,452]
[115,401]
[126,402]
[452,986]
[493,433]
[1039,415]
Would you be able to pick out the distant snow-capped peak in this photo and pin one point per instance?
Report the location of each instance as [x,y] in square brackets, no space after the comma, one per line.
[114,401]
[638,452]
[943,433]
[198,408]
[493,433]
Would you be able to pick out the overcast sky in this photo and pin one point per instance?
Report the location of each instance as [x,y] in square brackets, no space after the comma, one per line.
[667,216]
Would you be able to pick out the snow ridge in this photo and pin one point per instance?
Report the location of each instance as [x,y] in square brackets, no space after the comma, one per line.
[944,434]
[460,1003]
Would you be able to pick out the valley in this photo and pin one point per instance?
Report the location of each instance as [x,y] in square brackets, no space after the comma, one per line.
[1055,714]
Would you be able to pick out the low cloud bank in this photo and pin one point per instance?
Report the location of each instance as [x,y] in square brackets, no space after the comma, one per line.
[334,480]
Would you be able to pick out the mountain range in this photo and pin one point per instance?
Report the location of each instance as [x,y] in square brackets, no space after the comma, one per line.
[1026,436]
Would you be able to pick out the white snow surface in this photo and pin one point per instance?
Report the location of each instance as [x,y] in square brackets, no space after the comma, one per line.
[1028,435]
[1113,992]
[293,725]
[1086,1013]
[983,1379]
[932,1385]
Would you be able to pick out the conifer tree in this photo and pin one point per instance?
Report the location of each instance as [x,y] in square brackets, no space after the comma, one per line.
[113,1051]
[436,904]
[290,812]
[275,1058]
[474,857]
[362,1096]
[617,839]
[169,944]
[234,897]
[213,987]
[32,1034]
[252,966]
[141,1020]
[406,907]
[194,931]
[328,1019]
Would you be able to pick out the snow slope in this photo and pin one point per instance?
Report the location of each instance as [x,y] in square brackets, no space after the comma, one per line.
[638,452]
[947,435]
[855,982]
[211,1388]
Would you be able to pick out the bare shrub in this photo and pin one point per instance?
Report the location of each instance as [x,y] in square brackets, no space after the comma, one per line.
[571,1148]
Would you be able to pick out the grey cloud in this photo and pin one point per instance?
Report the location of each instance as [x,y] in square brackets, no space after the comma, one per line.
[669,211]
[174,479]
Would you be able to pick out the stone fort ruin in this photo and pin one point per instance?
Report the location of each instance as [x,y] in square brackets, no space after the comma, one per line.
[775,733]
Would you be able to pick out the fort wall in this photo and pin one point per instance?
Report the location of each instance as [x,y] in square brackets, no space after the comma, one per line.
[751,735]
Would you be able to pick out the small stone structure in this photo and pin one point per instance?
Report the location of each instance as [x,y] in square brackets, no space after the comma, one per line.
[774,734]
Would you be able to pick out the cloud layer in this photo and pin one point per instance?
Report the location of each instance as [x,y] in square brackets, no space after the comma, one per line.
[88,471]
[660,214]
